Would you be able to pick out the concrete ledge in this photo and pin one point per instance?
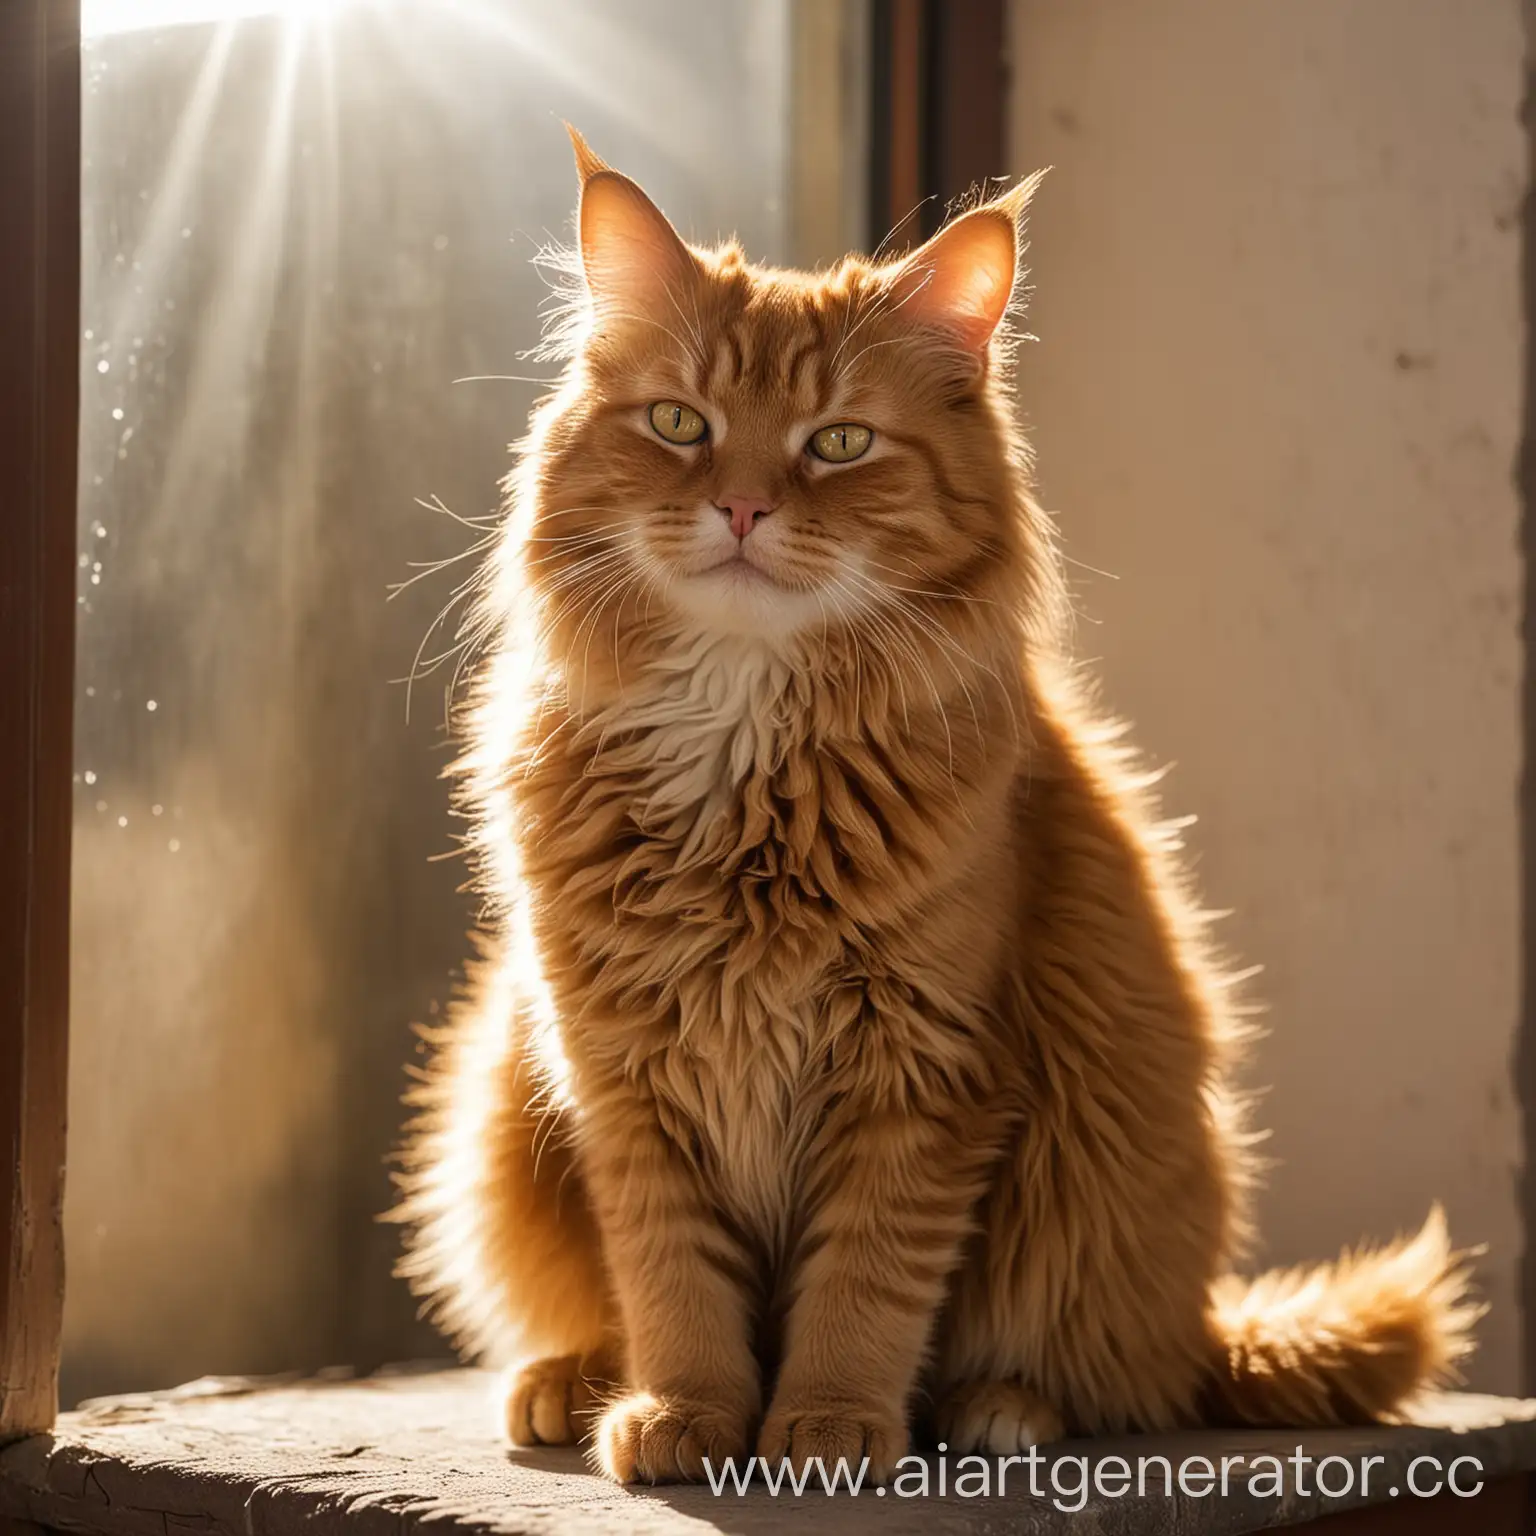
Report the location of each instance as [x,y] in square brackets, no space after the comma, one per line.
[398,1451]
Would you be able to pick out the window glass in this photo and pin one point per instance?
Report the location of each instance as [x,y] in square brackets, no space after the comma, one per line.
[303,224]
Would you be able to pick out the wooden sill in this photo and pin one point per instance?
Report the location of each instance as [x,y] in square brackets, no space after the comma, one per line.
[401,1450]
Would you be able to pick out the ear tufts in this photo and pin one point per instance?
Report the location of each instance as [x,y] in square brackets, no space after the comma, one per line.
[1016,200]
[588,162]
[961,282]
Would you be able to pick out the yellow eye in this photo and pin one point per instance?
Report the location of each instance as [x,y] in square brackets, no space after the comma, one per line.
[678,423]
[841,444]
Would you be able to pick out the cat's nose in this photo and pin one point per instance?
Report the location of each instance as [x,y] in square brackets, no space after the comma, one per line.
[742,512]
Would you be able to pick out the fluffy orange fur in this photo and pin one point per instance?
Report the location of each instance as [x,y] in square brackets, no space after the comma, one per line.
[846,1047]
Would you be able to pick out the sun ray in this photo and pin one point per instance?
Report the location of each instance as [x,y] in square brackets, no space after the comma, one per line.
[100,17]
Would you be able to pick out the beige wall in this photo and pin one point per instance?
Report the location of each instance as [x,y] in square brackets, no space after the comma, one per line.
[1277,394]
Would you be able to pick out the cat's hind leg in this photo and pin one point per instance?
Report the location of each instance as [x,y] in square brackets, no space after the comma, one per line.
[997,1418]
[556,1400]
[1081,1303]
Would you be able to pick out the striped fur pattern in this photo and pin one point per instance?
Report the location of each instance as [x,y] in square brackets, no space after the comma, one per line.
[847,1053]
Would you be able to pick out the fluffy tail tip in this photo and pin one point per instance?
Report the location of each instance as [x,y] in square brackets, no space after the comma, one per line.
[1350,1342]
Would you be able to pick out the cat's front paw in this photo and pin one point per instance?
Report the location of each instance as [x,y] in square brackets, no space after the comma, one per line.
[819,1435]
[644,1438]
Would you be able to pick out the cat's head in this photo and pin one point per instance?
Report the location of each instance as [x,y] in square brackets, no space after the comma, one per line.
[772,453]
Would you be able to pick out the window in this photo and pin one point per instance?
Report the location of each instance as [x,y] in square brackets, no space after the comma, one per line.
[305,297]
[307,294]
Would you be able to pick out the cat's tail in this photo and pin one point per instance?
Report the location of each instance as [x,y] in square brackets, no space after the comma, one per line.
[1349,1342]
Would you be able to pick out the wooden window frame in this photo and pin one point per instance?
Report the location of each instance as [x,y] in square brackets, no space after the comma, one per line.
[39,434]
[938,101]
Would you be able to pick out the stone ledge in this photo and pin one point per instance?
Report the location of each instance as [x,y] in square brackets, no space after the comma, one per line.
[397,1451]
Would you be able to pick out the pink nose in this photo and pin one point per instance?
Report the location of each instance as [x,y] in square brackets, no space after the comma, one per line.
[743,512]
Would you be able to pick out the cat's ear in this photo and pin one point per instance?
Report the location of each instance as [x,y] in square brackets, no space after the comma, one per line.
[632,257]
[961,282]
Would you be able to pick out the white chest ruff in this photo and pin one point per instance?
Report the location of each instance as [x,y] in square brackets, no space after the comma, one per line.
[698,727]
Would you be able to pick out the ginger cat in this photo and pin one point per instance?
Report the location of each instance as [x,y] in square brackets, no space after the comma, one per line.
[846,1043]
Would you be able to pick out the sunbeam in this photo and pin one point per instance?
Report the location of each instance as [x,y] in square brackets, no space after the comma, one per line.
[99,17]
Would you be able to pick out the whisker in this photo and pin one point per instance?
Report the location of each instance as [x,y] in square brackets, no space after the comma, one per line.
[953,595]
[425,568]
[565,538]
[896,228]
[881,306]
[619,584]
[1083,565]
[436,504]
[418,669]
[505,378]
[575,545]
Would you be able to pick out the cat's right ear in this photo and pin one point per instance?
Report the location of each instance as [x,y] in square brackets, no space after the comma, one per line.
[961,282]
[634,261]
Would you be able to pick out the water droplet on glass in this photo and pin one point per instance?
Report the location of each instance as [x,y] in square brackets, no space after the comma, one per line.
[174,845]
[95,579]
[101,530]
[117,413]
[90,773]
[90,335]
[122,821]
[157,810]
[90,693]
[101,805]
[150,705]
[103,366]
[85,560]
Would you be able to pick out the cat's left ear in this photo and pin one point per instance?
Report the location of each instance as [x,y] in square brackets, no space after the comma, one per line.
[961,281]
[632,257]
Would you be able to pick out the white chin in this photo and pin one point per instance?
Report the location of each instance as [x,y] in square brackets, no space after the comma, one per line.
[735,599]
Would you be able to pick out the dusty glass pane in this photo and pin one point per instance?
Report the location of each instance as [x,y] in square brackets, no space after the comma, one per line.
[302,226]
